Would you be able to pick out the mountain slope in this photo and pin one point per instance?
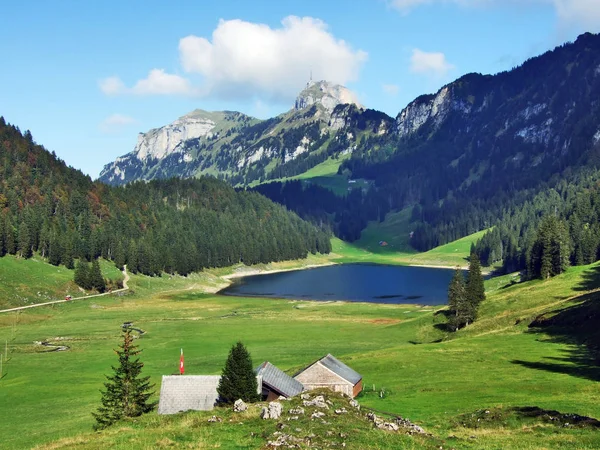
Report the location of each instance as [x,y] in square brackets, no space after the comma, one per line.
[485,143]
[174,226]
[241,148]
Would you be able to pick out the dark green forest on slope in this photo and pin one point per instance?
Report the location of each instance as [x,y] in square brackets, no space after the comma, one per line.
[503,152]
[175,226]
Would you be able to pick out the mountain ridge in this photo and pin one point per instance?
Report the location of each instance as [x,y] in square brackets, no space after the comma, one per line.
[234,143]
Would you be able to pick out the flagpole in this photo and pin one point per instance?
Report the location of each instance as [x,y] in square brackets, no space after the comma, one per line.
[181,365]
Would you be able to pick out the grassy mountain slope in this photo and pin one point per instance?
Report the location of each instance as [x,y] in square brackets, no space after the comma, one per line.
[435,379]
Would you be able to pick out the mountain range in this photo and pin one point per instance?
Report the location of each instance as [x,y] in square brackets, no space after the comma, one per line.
[459,158]
[241,148]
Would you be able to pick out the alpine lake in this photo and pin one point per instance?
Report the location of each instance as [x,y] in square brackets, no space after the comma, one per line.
[372,283]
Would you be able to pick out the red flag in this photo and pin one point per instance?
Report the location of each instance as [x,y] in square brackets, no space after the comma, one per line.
[181,370]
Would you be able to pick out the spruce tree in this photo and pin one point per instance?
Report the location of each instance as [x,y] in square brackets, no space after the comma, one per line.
[475,290]
[24,244]
[126,393]
[456,299]
[95,277]
[238,379]
[81,276]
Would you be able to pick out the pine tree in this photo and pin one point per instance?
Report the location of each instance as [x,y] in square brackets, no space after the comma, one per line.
[475,290]
[238,379]
[81,277]
[24,241]
[126,394]
[95,276]
[9,237]
[456,299]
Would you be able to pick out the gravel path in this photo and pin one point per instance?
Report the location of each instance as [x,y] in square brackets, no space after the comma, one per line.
[125,288]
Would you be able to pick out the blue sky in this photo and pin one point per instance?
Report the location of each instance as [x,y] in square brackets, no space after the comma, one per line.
[86,77]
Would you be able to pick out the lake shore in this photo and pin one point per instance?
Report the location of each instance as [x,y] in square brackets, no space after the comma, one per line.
[249,271]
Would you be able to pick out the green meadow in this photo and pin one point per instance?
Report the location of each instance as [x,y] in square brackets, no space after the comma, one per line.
[411,366]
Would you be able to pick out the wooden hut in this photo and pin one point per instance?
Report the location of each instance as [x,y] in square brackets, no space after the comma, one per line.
[330,372]
[276,383]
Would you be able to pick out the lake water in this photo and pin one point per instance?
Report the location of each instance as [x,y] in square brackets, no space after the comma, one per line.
[351,282]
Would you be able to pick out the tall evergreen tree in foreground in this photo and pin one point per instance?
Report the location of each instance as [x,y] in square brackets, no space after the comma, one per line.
[475,290]
[464,298]
[459,309]
[126,393]
[238,379]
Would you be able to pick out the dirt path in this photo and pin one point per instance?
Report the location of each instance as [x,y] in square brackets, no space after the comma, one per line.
[125,288]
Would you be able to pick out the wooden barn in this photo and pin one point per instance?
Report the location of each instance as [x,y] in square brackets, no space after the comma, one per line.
[330,372]
[276,383]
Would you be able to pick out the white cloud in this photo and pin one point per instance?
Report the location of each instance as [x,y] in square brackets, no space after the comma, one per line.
[390,89]
[158,82]
[112,86]
[116,122]
[244,59]
[583,14]
[434,63]
[405,6]
[247,59]
[579,13]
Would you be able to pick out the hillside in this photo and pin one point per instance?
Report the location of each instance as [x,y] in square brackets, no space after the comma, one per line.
[460,160]
[242,149]
[528,349]
[174,226]
[486,143]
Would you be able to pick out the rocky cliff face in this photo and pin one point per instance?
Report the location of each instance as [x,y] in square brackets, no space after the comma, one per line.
[235,146]
[326,94]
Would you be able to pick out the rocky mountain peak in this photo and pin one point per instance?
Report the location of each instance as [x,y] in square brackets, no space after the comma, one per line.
[325,93]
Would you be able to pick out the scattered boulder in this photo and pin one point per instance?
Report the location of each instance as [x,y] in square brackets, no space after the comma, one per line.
[305,396]
[296,411]
[318,402]
[341,411]
[354,404]
[317,415]
[390,426]
[264,413]
[215,419]
[240,406]
[410,427]
[273,411]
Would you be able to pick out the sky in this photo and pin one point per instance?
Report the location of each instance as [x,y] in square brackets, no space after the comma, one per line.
[85,77]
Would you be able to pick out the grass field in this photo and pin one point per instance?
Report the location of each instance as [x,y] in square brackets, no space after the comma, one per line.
[27,281]
[434,378]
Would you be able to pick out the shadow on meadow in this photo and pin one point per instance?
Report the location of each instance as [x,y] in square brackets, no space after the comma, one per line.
[577,326]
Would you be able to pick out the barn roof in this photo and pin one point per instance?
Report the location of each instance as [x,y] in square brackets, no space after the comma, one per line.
[338,367]
[278,380]
[188,392]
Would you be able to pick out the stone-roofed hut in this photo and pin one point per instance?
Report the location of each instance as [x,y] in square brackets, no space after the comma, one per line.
[330,372]
[188,392]
[277,383]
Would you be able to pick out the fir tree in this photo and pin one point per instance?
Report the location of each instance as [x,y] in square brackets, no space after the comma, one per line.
[81,276]
[24,244]
[238,379]
[475,290]
[95,277]
[126,394]
[456,299]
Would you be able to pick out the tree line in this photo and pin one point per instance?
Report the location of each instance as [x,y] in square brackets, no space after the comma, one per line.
[173,226]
